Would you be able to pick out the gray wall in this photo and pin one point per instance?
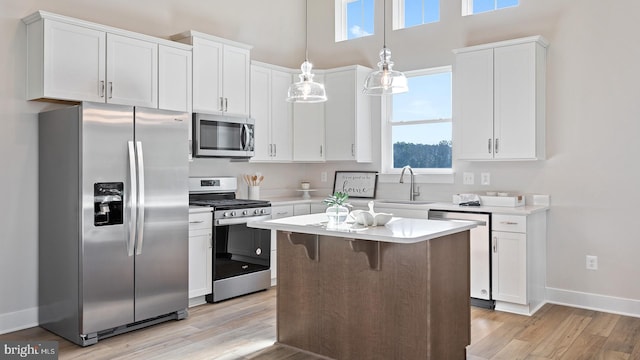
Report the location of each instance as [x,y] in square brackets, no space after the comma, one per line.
[593,118]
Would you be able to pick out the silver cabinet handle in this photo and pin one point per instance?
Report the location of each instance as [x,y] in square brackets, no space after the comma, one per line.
[495,244]
[140,197]
[489,146]
[508,223]
[320,150]
[497,145]
[353,149]
[271,150]
[221,107]
[226,104]
[101,88]
[134,199]
[196,222]
[110,89]
[275,150]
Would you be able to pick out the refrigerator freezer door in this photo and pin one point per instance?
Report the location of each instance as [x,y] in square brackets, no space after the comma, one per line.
[161,265]
[106,281]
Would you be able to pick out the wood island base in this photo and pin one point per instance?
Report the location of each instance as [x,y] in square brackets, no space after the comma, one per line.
[360,299]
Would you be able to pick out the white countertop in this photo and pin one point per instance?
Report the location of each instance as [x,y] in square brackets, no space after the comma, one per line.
[421,205]
[397,230]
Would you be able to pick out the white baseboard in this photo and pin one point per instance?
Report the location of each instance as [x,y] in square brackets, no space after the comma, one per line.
[18,320]
[604,303]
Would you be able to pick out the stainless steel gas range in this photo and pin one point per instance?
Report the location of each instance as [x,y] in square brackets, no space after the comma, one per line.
[241,255]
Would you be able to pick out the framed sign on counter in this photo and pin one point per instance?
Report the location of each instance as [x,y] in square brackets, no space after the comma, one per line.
[356,184]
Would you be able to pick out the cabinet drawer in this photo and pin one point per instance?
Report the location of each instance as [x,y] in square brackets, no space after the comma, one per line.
[511,223]
[200,221]
[301,209]
[281,211]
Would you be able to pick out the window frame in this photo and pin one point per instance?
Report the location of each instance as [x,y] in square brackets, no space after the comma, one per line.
[467,7]
[341,32]
[398,15]
[386,148]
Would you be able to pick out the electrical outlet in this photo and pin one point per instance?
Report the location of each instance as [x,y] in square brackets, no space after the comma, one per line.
[485,178]
[323,176]
[592,262]
[467,178]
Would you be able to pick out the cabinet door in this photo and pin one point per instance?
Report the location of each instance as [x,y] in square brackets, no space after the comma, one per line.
[207,76]
[260,111]
[235,80]
[515,102]
[509,267]
[132,71]
[174,79]
[308,130]
[200,266]
[473,89]
[301,209]
[281,117]
[340,113]
[74,63]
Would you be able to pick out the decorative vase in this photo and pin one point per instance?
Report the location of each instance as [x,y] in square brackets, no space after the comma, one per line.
[337,215]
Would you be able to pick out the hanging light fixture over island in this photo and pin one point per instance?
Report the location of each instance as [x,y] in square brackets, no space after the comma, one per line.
[385,80]
[306,90]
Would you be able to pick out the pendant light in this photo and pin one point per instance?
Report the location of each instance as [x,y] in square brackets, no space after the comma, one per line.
[385,80]
[306,90]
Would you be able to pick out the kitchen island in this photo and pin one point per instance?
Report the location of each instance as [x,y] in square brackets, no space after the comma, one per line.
[399,291]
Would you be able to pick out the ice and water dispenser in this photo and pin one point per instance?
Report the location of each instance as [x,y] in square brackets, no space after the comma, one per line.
[107,203]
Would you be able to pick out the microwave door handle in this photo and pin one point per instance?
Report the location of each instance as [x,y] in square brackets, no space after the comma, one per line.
[243,136]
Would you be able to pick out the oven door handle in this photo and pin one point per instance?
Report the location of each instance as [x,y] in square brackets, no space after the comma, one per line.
[225,222]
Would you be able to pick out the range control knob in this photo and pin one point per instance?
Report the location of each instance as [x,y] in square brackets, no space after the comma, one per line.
[256,211]
[264,211]
[226,214]
[245,212]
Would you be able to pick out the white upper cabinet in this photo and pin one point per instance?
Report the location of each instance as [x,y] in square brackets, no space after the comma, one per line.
[221,71]
[66,62]
[309,129]
[75,60]
[499,97]
[174,79]
[132,71]
[272,113]
[347,115]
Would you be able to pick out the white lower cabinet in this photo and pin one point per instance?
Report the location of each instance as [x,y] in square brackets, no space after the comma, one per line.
[518,245]
[200,256]
[278,212]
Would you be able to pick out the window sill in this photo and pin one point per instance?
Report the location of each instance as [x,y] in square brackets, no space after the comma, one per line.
[440,177]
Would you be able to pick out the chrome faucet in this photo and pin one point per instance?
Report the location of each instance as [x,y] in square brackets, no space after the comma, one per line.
[412,192]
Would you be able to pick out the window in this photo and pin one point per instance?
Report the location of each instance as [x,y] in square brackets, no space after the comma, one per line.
[408,13]
[354,19]
[470,7]
[418,129]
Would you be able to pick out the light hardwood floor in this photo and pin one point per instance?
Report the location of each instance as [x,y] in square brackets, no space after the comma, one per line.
[244,328]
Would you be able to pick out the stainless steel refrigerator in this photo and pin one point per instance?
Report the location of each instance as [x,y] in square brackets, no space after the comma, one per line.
[113,219]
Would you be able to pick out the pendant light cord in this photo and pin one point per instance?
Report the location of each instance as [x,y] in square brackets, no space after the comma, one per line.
[384,24]
[306,30]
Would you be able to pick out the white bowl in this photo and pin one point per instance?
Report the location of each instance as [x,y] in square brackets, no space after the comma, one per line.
[305,185]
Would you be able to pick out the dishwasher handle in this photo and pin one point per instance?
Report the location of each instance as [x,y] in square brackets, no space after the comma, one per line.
[441,215]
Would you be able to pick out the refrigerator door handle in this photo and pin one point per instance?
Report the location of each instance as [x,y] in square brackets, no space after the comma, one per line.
[134,199]
[140,198]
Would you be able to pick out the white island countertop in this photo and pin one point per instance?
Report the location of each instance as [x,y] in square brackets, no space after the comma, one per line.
[397,230]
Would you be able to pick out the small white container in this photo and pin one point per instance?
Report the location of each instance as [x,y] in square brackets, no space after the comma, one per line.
[305,185]
[254,192]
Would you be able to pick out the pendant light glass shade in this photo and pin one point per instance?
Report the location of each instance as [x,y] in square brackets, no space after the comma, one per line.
[306,90]
[385,80]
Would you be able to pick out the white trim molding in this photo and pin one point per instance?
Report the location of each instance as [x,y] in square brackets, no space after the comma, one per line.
[18,320]
[604,303]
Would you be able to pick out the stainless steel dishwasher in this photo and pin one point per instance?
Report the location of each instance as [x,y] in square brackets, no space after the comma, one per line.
[480,253]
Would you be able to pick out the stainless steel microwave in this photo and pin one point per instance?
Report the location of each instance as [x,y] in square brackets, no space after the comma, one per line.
[223,136]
